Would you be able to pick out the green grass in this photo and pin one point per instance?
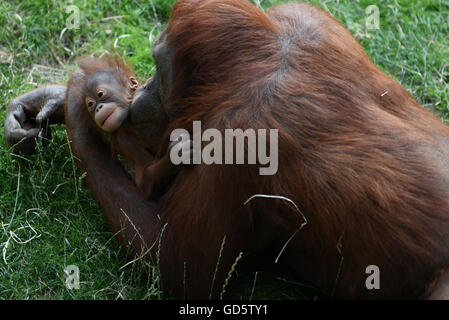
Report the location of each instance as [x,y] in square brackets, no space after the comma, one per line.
[48,218]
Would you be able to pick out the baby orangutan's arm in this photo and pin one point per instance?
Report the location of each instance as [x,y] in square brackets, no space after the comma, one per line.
[151,175]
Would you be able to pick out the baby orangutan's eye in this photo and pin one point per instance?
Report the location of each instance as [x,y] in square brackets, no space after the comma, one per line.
[90,104]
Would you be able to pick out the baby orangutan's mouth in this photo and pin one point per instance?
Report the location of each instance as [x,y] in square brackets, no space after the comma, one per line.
[107,116]
[112,117]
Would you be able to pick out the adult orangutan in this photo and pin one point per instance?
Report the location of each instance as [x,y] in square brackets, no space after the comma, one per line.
[365,163]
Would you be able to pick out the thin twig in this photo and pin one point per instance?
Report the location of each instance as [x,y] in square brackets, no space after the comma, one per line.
[297,209]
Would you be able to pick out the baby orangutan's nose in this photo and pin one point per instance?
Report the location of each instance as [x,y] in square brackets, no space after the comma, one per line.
[99,107]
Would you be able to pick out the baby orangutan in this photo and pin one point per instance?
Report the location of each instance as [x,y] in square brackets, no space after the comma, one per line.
[108,94]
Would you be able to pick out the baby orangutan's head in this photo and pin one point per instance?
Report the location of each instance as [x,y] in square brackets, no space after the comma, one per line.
[108,91]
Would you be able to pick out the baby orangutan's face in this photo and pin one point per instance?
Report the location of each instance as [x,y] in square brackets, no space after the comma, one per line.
[108,100]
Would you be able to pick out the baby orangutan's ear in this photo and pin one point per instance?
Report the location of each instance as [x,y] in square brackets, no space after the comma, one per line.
[133,84]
